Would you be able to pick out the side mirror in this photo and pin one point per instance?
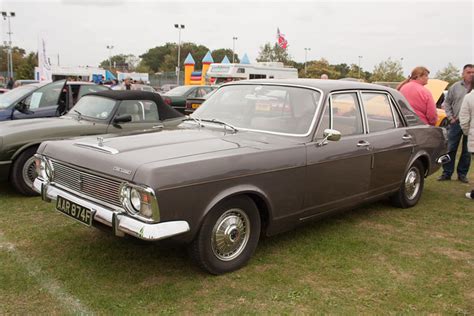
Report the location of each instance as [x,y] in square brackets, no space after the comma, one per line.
[329,134]
[22,107]
[332,135]
[124,118]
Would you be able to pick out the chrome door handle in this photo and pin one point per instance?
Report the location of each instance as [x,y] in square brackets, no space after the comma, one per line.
[407,137]
[157,126]
[363,143]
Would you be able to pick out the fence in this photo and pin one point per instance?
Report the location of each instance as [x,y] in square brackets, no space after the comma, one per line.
[158,80]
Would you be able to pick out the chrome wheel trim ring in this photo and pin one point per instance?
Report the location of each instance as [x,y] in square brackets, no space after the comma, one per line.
[28,172]
[230,234]
[412,183]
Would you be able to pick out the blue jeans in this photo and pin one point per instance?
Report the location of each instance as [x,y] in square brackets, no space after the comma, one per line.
[454,137]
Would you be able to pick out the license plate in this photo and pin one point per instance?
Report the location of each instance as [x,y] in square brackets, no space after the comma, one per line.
[195,105]
[75,211]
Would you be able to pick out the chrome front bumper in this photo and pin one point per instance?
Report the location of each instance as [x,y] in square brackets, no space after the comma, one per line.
[120,222]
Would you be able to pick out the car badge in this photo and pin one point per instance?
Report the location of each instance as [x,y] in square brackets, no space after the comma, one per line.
[100,141]
[122,170]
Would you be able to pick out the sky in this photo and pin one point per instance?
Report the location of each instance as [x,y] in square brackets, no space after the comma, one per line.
[417,32]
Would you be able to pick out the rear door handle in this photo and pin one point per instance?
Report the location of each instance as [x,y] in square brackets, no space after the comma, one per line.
[363,143]
[407,137]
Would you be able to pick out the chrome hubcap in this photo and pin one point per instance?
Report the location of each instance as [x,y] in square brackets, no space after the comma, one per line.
[29,172]
[412,183]
[230,234]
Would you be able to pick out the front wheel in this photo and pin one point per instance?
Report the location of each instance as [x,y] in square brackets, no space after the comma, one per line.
[228,236]
[23,172]
[411,188]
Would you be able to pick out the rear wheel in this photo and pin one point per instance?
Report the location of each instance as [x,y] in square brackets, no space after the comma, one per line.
[228,236]
[23,172]
[411,188]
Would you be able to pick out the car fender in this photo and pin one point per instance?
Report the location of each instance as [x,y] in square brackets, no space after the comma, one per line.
[241,189]
[24,147]
[420,154]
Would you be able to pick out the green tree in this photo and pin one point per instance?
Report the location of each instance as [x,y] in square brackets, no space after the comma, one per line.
[449,73]
[315,68]
[26,68]
[275,53]
[343,70]
[218,55]
[120,62]
[164,58]
[17,55]
[388,70]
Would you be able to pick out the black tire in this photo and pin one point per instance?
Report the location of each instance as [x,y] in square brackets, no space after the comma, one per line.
[236,223]
[411,188]
[23,172]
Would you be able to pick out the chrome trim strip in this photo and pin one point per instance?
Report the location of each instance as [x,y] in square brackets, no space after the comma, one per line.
[102,149]
[123,223]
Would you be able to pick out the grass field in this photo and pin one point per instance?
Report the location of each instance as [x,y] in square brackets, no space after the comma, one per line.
[375,259]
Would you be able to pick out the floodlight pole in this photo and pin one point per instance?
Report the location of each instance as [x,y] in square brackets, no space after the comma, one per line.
[233,48]
[306,49]
[179,27]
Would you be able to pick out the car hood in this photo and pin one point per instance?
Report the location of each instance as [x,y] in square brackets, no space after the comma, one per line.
[122,156]
[33,126]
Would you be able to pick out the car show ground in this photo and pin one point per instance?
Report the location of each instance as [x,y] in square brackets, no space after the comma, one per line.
[372,259]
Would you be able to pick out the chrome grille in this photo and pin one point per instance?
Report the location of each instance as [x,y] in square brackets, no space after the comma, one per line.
[96,187]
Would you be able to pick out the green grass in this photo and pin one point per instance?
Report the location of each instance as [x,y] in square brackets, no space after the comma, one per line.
[375,259]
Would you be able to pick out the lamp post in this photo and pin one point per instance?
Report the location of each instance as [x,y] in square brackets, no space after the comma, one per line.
[306,49]
[360,57]
[110,47]
[179,27]
[401,64]
[233,48]
[8,15]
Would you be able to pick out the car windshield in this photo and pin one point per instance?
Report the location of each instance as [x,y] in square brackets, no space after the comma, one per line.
[91,106]
[267,108]
[179,91]
[14,95]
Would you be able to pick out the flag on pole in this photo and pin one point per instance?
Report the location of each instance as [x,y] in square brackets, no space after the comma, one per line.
[44,65]
[282,42]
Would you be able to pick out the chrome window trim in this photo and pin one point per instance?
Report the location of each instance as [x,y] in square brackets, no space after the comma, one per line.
[362,112]
[311,127]
[394,120]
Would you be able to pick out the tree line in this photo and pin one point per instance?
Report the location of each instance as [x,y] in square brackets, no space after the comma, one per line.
[163,58]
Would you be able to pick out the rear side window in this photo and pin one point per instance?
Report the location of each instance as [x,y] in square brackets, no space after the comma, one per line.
[379,112]
[139,110]
[346,115]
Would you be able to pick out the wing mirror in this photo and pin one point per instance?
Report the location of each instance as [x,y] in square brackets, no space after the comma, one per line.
[22,107]
[331,135]
[124,118]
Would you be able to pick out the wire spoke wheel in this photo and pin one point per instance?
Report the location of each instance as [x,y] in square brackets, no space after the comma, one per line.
[412,183]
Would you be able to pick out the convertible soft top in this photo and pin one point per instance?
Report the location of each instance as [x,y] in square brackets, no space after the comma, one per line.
[164,110]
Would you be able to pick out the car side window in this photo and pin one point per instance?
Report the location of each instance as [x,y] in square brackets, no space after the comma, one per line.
[325,122]
[139,110]
[45,96]
[346,115]
[379,111]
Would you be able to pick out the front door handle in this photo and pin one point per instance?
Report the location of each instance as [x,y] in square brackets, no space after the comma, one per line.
[363,143]
[407,137]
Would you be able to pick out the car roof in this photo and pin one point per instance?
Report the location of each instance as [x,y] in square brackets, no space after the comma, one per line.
[326,85]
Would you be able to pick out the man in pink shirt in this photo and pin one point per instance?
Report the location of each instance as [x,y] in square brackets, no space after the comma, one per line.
[418,96]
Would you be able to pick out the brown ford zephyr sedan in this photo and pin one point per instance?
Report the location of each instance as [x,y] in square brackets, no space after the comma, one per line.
[258,158]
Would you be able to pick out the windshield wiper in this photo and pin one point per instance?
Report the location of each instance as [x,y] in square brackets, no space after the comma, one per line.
[221,122]
[190,118]
[79,115]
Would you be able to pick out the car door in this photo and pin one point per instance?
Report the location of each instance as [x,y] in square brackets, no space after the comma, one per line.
[390,141]
[338,172]
[43,102]
[144,115]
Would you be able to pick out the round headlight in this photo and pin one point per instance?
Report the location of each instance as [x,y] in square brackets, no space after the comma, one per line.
[135,199]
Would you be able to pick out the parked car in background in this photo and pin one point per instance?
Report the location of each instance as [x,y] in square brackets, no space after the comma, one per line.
[143,87]
[3,90]
[194,102]
[22,82]
[177,97]
[97,113]
[43,100]
[257,158]
[167,87]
